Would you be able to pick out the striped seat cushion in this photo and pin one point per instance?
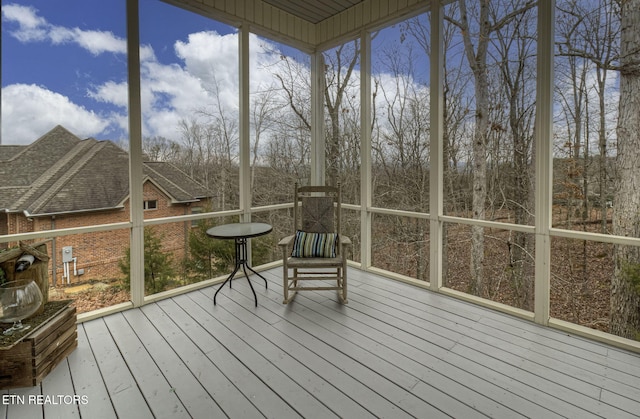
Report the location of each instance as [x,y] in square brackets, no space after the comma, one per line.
[314,245]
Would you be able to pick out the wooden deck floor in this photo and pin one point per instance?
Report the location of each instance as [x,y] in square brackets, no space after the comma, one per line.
[394,351]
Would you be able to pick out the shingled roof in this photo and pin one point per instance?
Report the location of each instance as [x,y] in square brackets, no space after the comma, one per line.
[61,173]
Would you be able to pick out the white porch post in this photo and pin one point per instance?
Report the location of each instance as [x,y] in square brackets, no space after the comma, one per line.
[136,243]
[543,159]
[243,129]
[243,118]
[365,150]
[436,112]
[318,158]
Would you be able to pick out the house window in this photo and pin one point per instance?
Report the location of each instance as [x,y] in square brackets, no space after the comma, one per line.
[196,210]
[151,204]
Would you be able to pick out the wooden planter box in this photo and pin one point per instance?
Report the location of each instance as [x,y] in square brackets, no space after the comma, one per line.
[38,271]
[28,361]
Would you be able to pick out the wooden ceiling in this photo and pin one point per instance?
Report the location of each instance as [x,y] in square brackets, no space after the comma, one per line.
[313,11]
[307,24]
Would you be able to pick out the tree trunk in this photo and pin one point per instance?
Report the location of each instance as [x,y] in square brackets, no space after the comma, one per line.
[478,62]
[602,161]
[341,77]
[625,300]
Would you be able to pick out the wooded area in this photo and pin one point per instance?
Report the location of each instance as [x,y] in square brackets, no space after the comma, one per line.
[489,114]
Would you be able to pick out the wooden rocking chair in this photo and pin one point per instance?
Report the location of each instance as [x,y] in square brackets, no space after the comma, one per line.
[317,251]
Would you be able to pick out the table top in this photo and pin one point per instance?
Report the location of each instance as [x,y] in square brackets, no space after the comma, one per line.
[239,230]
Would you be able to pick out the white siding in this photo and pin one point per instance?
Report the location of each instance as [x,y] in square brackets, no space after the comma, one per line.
[267,20]
[262,18]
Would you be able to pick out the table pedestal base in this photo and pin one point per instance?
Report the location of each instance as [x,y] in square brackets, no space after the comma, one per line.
[242,258]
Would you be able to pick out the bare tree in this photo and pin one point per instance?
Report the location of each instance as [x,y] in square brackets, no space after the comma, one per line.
[294,78]
[263,108]
[456,105]
[625,298]
[572,91]
[515,52]
[339,65]
[604,44]
[400,146]
[588,50]
[342,111]
[191,134]
[477,25]
[161,149]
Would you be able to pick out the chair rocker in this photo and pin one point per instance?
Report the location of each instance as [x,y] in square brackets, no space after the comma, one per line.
[317,252]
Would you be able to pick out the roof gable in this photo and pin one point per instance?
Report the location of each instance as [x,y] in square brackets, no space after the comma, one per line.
[8,151]
[75,175]
[41,155]
[175,182]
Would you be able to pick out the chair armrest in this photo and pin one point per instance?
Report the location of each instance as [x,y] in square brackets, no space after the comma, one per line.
[344,241]
[286,241]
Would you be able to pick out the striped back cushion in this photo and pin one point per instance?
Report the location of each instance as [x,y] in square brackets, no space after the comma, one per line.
[314,245]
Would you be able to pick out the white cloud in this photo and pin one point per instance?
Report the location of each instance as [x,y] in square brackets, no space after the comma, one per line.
[206,69]
[96,42]
[171,92]
[28,111]
[111,92]
[209,69]
[212,59]
[33,28]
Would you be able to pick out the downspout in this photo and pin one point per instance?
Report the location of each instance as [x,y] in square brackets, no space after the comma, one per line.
[54,271]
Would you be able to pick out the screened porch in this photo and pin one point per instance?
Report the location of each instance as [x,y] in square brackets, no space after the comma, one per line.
[433,326]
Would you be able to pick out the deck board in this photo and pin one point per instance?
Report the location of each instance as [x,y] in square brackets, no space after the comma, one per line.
[24,408]
[193,395]
[294,368]
[289,342]
[557,371]
[87,380]
[290,400]
[198,364]
[469,370]
[356,361]
[158,393]
[214,363]
[59,383]
[407,358]
[121,385]
[394,351]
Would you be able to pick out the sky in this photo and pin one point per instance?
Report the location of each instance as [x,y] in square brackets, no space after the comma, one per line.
[64,62]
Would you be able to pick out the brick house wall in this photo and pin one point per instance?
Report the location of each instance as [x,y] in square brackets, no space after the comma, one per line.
[98,253]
